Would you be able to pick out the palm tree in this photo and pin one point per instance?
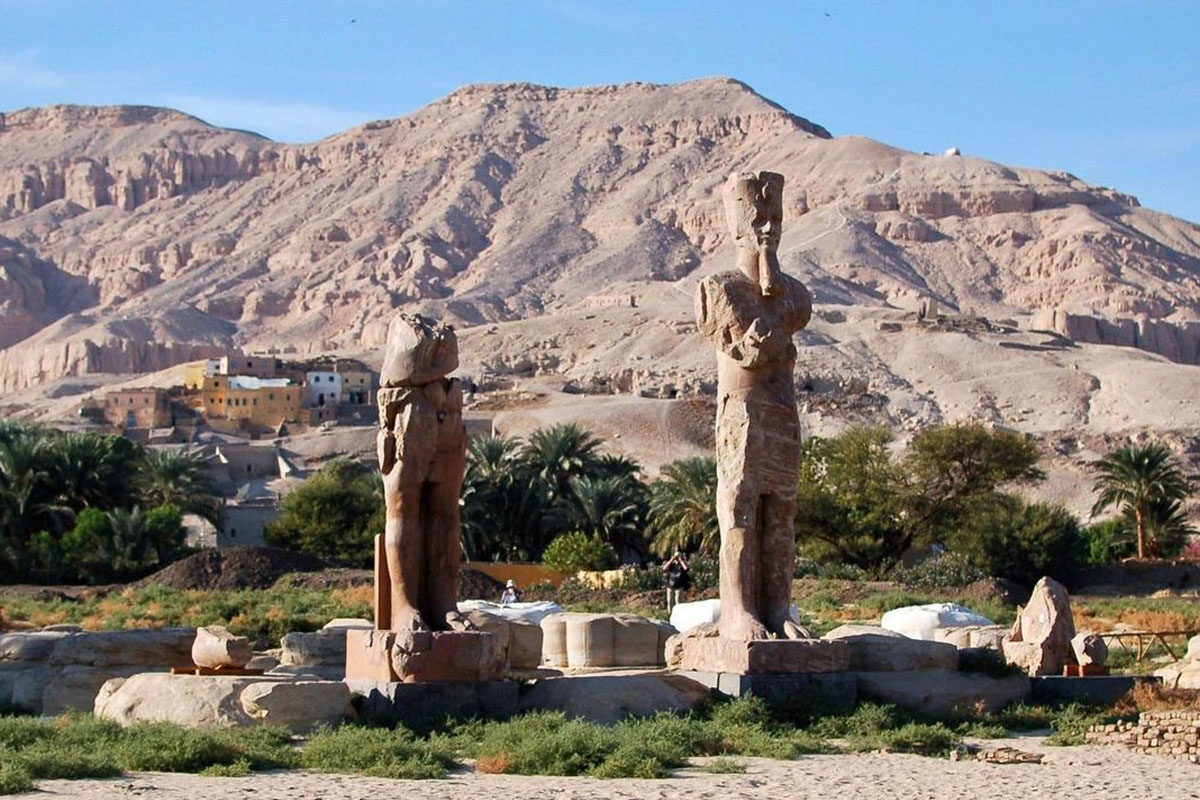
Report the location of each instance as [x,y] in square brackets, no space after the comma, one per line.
[683,507]
[612,509]
[1135,477]
[178,478]
[93,470]
[1167,527]
[500,502]
[556,454]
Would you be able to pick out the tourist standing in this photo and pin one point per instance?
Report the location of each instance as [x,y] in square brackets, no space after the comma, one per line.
[678,579]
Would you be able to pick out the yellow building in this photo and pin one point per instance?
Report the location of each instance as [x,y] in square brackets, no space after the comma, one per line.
[262,402]
[138,408]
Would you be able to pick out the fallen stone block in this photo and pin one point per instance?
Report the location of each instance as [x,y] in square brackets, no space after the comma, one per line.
[324,647]
[1089,648]
[194,701]
[719,654]
[216,647]
[160,648]
[22,684]
[28,645]
[74,687]
[298,705]
[942,691]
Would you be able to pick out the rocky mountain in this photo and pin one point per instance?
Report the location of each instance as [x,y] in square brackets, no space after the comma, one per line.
[133,238]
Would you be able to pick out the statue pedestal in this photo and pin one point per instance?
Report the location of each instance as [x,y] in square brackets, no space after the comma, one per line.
[716,654]
[423,657]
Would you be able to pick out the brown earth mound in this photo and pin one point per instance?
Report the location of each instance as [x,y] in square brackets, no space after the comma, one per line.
[233,568]
[472,585]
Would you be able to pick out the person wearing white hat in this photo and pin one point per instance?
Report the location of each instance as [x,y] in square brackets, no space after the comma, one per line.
[511,593]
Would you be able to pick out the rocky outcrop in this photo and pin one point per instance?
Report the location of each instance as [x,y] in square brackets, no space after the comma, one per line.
[1179,342]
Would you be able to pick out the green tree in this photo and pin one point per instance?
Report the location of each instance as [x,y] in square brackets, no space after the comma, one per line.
[335,514]
[859,504]
[576,551]
[951,469]
[94,470]
[683,507]
[1009,538]
[117,545]
[181,479]
[849,501]
[1135,477]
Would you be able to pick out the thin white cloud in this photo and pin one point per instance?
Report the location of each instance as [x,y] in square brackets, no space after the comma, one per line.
[284,121]
[21,70]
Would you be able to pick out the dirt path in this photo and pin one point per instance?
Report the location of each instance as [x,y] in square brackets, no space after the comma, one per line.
[1101,772]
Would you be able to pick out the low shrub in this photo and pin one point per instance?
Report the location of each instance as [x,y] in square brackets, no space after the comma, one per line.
[947,570]
[377,752]
[575,551]
[14,777]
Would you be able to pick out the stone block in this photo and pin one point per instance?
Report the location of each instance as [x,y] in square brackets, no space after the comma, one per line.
[74,687]
[720,654]
[834,692]
[324,647]
[1089,648]
[942,691]
[298,705]
[194,701]
[590,640]
[162,648]
[320,672]
[524,645]
[386,656]
[608,698]
[215,647]
[22,684]
[1096,689]
[415,703]
[635,642]
[877,650]
[28,645]
[554,640]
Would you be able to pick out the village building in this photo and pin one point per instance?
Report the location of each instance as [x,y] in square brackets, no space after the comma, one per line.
[324,388]
[256,402]
[138,408]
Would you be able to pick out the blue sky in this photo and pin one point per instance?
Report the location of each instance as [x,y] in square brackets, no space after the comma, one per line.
[1107,90]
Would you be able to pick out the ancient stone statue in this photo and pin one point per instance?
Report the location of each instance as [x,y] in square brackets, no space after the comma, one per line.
[422,453]
[419,636]
[750,315]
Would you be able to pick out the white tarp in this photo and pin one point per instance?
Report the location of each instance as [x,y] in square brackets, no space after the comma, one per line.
[688,615]
[922,622]
[528,612]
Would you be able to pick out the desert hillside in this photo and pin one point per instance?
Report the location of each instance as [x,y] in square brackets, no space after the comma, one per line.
[134,238]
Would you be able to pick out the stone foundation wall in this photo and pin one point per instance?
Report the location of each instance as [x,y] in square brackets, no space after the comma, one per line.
[1174,734]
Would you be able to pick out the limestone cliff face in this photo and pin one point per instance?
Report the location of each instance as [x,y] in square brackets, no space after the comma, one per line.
[508,202]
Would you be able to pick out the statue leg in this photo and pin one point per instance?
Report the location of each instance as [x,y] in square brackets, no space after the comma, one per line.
[738,514]
[778,554]
[443,553]
[405,549]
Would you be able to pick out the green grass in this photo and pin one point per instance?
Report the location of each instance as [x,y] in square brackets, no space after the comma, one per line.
[264,615]
[724,766]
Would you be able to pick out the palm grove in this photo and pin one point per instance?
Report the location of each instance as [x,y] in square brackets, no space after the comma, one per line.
[557,497]
[85,507]
[92,508]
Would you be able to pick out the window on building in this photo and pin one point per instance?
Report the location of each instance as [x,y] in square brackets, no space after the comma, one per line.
[270,395]
[316,378]
[254,402]
[131,401]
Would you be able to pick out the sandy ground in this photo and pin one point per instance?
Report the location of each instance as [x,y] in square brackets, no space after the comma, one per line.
[1103,772]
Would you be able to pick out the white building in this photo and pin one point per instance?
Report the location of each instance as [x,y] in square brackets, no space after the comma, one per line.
[324,388]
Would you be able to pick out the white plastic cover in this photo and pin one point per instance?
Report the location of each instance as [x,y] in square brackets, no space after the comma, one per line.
[529,612]
[922,622]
